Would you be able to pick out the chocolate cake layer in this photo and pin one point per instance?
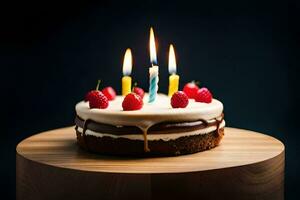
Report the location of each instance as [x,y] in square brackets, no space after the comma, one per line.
[161,128]
[123,146]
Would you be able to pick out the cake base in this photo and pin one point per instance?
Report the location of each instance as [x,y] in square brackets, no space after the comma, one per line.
[127,147]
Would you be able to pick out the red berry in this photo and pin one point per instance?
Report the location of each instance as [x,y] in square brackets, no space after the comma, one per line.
[139,91]
[203,95]
[190,89]
[179,100]
[132,101]
[109,92]
[98,100]
[92,92]
[89,94]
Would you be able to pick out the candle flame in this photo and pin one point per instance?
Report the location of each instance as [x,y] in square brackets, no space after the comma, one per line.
[172,60]
[127,63]
[152,46]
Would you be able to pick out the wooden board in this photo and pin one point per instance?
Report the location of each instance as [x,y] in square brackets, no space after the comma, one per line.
[246,165]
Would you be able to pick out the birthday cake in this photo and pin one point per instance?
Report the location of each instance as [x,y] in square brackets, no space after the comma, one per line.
[156,129]
[136,124]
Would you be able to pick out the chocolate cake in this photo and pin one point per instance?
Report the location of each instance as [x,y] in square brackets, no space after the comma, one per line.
[155,130]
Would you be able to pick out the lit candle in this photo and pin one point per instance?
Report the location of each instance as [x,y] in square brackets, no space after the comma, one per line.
[173,78]
[127,67]
[153,71]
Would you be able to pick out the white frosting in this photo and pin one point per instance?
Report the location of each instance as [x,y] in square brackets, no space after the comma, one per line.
[150,114]
[164,137]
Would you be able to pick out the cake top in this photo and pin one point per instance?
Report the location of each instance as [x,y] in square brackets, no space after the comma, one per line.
[151,113]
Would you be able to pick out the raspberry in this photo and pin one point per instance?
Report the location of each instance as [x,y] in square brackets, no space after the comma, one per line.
[92,92]
[98,100]
[109,92]
[190,89]
[203,95]
[179,100]
[139,91]
[132,101]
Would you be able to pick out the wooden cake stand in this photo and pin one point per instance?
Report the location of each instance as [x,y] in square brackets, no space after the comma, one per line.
[247,165]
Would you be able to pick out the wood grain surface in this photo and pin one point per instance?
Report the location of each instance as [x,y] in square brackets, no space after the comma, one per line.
[247,165]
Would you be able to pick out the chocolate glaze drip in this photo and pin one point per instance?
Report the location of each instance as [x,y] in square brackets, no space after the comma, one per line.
[146,147]
[219,123]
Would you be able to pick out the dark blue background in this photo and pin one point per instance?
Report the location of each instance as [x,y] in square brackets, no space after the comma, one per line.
[245,52]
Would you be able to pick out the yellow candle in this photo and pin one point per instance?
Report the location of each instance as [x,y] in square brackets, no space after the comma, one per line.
[173,84]
[173,78]
[126,85]
[127,67]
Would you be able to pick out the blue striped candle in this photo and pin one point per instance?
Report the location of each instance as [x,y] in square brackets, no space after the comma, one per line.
[153,88]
